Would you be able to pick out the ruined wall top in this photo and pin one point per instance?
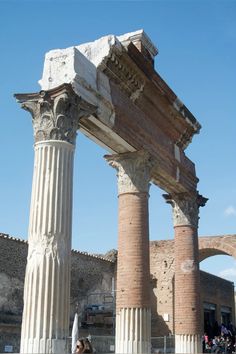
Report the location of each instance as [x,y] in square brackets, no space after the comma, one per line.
[78,65]
[141,41]
[134,108]
[95,52]
[108,257]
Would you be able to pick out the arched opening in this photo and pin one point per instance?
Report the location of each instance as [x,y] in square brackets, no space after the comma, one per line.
[218,279]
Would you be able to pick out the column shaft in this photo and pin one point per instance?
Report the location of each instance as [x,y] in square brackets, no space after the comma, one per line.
[187,278]
[47,282]
[133,275]
[55,117]
[187,291]
[133,268]
[133,314]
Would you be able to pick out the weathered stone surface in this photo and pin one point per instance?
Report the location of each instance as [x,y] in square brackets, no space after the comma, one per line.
[133,171]
[162,286]
[91,274]
[11,300]
[211,246]
[185,208]
[55,113]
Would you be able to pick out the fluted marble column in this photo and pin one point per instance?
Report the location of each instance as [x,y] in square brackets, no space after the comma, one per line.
[133,314]
[45,323]
[187,315]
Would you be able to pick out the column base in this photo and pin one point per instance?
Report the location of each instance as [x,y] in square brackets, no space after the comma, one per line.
[188,343]
[44,346]
[133,331]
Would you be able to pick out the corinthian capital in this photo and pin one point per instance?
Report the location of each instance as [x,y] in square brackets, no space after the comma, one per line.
[185,208]
[133,171]
[55,113]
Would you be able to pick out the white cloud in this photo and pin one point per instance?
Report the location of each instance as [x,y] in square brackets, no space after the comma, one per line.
[229,274]
[230,210]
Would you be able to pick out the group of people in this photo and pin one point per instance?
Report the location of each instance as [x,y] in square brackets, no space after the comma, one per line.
[222,342]
[83,345]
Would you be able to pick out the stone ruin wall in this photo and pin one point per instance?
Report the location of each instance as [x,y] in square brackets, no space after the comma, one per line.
[13,255]
[89,274]
[162,273]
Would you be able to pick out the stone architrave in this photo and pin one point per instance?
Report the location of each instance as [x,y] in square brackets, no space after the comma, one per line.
[133,315]
[187,277]
[45,323]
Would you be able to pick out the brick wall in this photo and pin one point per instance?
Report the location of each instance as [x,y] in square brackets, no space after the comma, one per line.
[213,289]
[219,292]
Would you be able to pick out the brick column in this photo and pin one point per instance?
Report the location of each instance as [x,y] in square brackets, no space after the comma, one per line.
[45,323]
[133,315]
[187,278]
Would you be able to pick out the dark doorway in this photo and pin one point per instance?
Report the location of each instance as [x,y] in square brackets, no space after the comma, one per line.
[209,318]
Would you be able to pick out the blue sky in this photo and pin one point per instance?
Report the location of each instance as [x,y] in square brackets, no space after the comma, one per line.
[197,56]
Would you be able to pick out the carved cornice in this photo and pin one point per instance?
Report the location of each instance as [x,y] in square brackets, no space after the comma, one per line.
[185,208]
[124,75]
[133,171]
[55,113]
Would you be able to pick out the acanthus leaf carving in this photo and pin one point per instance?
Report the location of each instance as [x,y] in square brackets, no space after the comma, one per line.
[185,208]
[133,171]
[56,113]
[122,73]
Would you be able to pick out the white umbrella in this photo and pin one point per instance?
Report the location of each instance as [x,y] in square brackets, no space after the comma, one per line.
[75,333]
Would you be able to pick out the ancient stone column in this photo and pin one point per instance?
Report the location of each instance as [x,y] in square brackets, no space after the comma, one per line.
[133,315]
[187,310]
[45,322]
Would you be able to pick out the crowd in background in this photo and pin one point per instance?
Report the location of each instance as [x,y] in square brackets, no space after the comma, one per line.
[220,339]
